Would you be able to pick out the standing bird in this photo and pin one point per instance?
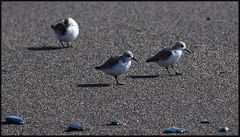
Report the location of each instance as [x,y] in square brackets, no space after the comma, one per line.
[169,56]
[66,31]
[117,65]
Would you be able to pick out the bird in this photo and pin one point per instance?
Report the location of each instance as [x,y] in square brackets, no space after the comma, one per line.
[117,65]
[169,56]
[66,31]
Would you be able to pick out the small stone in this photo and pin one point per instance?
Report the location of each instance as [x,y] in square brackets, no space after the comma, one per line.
[208,18]
[139,29]
[117,122]
[76,127]
[205,121]
[223,129]
[13,119]
[174,130]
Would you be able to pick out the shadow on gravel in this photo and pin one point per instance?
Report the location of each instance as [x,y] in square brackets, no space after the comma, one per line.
[46,48]
[8,123]
[66,130]
[93,85]
[150,76]
[143,76]
[4,123]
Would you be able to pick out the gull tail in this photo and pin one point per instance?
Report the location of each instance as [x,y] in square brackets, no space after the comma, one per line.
[98,68]
[52,26]
[150,60]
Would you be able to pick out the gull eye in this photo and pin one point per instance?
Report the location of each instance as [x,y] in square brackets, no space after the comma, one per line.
[66,22]
[180,45]
[128,55]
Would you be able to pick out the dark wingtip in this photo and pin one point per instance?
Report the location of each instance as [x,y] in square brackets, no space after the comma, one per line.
[97,68]
[151,59]
[148,60]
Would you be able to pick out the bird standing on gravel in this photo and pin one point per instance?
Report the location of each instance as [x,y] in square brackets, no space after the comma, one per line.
[169,56]
[117,65]
[66,31]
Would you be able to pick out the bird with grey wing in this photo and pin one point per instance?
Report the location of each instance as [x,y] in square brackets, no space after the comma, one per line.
[66,31]
[169,56]
[117,65]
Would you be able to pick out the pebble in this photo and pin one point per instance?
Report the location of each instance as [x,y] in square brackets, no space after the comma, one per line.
[223,129]
[174,130]
[76,127]
[208,18]
[205,121]
[13,119]
[140,29]
[117,122]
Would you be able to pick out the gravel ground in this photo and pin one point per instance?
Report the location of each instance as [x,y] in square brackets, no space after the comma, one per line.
[52,87]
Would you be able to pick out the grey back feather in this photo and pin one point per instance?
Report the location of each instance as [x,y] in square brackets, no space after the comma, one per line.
[110,62]
[161,55]
[59,28]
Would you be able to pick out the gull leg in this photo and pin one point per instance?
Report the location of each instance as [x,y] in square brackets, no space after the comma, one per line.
[62,44]
[177,73]
[68,45]
[117,81]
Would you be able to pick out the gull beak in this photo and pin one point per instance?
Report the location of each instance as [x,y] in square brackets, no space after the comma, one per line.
[134,59]
[188,51]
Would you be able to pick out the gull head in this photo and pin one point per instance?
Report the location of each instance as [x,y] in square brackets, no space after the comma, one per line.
[180,46]
[69,22]
[128,54]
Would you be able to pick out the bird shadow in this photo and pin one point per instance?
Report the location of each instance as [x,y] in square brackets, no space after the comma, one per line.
[150,76]
[67,130]
[9,123]
[93,85]
[45,48]
[4,123]
[143,76]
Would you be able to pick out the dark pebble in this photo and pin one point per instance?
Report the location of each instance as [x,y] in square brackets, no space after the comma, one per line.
[13,119]
[139,29]
[205,121]
[76,127]
[174,130]
[208,18]
[117,122]
[223,129]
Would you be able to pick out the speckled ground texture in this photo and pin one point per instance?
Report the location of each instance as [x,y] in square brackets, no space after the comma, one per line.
[52,87]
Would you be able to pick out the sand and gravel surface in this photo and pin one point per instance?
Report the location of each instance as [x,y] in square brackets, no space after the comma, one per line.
[51,87]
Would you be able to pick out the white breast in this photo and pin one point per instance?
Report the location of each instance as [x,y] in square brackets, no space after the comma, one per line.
[119,68]
[71,34]
[171,60]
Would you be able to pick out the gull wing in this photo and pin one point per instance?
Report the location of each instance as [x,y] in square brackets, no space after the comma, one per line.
[59,28]
[109,63]
[161,55]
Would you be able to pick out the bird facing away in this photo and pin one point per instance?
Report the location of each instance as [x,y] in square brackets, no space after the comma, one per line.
[169,56]
[66,31]
[117,65]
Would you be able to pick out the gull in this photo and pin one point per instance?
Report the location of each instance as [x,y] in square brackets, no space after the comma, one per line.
[117,65]
[66,31]
[169,56]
